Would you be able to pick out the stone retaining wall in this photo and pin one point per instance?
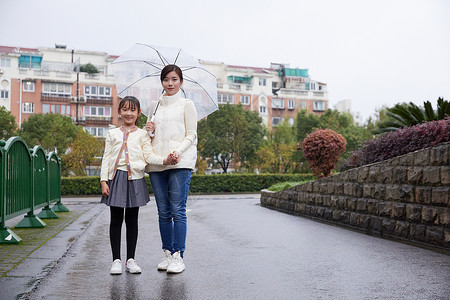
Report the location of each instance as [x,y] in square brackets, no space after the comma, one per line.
[406,197]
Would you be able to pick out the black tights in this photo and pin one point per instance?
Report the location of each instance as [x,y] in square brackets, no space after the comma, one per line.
[115,230]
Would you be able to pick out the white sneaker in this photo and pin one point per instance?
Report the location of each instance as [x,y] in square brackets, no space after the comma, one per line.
[132,267]
[176,264]
[166,261]
[116,268]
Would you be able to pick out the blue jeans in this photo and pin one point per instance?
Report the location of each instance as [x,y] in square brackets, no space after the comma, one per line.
[171,189]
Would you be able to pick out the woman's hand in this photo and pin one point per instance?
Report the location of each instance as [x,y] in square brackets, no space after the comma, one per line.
[150,126]
[175,156]
[172,159]
[105,189]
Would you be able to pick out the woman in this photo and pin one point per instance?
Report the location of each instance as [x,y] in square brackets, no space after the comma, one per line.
[175,132]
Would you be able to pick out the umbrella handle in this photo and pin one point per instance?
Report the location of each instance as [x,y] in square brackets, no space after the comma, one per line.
[151,134]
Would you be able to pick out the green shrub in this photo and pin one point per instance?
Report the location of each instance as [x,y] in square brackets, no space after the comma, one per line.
[200,184]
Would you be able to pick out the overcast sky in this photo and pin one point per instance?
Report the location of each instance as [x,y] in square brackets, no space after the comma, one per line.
[374,52]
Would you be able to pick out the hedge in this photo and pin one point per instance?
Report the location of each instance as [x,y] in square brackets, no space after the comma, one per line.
[200,184]
[400,142]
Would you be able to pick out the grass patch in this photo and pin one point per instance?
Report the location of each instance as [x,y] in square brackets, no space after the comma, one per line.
[285,185]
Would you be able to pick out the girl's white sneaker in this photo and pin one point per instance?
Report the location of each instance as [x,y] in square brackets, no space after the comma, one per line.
[132,267]
[116,268]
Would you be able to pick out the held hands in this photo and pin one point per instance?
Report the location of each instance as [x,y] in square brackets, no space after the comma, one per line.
[105,189]
[150,127]
[172,159]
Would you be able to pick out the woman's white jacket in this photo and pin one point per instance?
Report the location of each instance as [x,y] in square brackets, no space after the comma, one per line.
[175,130]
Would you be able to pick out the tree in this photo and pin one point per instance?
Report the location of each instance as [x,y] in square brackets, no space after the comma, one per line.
[277,155]
[83,151]
[343,123]
[305,123]
[50,131]
[231,133]
[89,68]
[322,149]
[339,122]
[408,114]
[8,125]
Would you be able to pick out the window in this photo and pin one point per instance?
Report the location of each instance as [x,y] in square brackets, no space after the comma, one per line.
[61,109]
[28,86]
[318,105]
[96,131]
[303,105]
[4,94]
[28,108]
[225,98]
[53,89]
[245,100]
[96,111]
[278,103]
[30,62]
[262,109]
[97,91]
[262,81]
[291,121]
[291,104]
[239,79]
[276,120]
[5,62]
[313,86]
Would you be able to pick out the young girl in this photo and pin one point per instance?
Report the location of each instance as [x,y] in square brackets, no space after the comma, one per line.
[175,130]
[127,151]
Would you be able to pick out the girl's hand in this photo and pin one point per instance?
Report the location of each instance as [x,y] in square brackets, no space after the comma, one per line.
[171,159]
[105,189]
[175,157]
[150,126]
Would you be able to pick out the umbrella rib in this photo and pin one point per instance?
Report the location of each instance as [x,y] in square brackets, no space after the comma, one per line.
[163,59]
[210,97]
[156,66]
[176,58]
[150,75]
[194,67]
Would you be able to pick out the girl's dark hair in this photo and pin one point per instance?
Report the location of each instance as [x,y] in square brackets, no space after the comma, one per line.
[169,68]
[132,103]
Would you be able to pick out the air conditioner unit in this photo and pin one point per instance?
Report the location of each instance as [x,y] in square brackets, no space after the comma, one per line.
[73,99]
[82,99]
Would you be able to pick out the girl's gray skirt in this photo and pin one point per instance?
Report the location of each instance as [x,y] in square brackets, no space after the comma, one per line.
[126,193]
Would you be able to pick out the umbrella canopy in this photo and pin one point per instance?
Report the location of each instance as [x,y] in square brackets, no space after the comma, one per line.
[137,73]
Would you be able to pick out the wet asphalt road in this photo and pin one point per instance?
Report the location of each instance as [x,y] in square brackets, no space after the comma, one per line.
[237,249]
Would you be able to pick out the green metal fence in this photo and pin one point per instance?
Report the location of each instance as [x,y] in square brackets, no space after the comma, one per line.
[29,180]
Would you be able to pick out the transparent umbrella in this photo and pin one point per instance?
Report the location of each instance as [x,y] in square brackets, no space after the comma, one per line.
[137,73]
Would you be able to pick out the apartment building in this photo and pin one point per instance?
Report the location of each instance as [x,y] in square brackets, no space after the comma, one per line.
[45,80]
[275,93]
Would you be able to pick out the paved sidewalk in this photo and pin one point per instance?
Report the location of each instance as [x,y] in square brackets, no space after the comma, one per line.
[23,266]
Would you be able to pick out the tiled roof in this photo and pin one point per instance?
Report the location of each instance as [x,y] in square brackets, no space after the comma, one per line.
[7,49]
[255,69]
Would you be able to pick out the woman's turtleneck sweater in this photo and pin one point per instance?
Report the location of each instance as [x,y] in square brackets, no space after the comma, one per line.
[175,130]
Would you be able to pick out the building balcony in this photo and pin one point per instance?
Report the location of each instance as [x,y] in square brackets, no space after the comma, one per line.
[303,94]
[65,76]
[55,98]
[96,120]
[99,100]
